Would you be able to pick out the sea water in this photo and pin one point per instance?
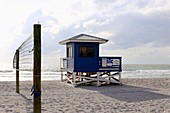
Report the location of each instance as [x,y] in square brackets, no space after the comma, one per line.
[146,71]
[53,73]
[7,73]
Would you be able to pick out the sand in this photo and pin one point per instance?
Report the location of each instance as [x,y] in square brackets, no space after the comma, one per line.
[134,96]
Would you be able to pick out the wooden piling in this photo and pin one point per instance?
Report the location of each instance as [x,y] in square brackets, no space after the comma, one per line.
[17,71]
[37,68]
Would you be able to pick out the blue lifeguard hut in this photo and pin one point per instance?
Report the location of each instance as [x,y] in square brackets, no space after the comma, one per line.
[84,65]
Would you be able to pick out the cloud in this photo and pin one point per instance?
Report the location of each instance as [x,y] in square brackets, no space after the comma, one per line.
[53,58]
[52,33]
[143,54]
[129,25]
[133,24]
[125,29]
[136,29]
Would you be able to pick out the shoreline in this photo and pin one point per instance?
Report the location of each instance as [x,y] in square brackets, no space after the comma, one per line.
[136,95]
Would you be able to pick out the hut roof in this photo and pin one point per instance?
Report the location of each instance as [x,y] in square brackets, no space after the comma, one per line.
[84,38]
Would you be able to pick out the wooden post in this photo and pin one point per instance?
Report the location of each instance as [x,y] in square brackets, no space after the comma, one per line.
[61,68]
[98,82]
[74,78]
[17,71]
[61,75]
[109,77]
[120,82]
[37,68]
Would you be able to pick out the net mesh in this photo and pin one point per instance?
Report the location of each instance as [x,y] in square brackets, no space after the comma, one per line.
[26,52]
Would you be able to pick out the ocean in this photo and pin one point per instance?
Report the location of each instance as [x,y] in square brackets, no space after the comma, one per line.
[52,72]
[146,71]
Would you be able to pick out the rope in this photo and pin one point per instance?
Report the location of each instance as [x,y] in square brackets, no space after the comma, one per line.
[35,93]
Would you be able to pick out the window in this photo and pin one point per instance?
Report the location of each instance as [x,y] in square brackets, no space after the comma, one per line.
[86,51]
[69,51]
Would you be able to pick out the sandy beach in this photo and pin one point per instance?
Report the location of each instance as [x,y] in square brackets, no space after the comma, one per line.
[151,95]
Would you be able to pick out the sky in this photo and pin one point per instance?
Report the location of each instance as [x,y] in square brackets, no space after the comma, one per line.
[137,30]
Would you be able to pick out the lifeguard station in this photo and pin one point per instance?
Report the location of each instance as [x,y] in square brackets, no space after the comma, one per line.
[83,64]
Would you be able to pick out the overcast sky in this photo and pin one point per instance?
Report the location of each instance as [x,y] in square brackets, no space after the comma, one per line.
[138,30]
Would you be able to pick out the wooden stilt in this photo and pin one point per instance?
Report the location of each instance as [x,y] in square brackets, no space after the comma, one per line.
[98,82]
[62,76]
[109,77]
[74,78]
[120,78]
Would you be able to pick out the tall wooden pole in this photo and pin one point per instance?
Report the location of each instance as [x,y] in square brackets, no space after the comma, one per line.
[17,71]
[37,68]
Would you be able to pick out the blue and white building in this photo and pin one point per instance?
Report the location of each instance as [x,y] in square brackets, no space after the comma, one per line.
[83,63]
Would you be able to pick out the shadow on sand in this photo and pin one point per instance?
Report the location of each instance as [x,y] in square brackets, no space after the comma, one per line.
[28,100]
[127,93]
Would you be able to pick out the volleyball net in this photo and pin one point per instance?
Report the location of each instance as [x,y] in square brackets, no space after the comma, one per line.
[25,53]
[28,58]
